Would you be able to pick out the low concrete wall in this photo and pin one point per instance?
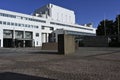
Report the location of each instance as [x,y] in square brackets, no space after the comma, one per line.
[49,46]
[95,41]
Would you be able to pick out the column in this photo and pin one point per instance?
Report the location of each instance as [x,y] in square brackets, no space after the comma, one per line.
[13,38]
[24,38]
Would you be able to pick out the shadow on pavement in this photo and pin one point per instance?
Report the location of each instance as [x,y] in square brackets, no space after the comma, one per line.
[17,76]
[46,52]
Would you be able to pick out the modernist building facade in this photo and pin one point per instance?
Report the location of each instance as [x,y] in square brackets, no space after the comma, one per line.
[22,30]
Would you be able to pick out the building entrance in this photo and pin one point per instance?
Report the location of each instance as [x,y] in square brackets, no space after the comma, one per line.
[23,43]
[7,42]
[28,43]
[18,43]
[17,38]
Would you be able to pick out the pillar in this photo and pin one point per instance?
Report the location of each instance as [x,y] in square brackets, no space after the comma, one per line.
[66,44]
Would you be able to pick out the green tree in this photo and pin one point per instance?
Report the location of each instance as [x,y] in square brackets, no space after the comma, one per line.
[117,25]
[105,28]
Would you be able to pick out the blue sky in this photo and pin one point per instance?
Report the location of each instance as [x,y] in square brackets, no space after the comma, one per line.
[87,11]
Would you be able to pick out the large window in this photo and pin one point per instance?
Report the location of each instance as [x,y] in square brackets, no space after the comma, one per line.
[28,35]
[7,33]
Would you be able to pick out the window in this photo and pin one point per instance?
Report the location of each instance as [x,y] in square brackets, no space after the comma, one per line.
[54,34]
[7,32]
[12,24]
[37,43]
[4,23]
[37,34]
[31,26]
[15,24]
[51,6]
[7,15]
[36,26]
[28,35]
[21,17]
[0,22]
[22,25]
[25,25]
[19,24]
[43,27]
[51,28]
[8,23]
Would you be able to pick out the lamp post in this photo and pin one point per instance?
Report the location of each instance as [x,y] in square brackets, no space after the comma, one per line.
[104,25]
[118,27]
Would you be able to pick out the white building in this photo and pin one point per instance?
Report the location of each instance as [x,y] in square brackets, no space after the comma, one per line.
[56,13]
[17,29]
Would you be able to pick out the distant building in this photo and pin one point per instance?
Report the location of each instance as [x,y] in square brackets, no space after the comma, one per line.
[22,30]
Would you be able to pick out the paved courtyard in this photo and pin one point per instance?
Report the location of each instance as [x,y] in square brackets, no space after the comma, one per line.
[88,63]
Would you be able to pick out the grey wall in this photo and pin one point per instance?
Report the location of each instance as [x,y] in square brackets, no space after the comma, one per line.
[95,41]
[66,44]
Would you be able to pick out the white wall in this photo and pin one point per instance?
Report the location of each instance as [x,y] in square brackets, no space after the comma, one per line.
[62,15]
[57,13]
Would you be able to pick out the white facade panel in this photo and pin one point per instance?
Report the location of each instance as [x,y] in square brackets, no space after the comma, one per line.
[62,15]
[56,13]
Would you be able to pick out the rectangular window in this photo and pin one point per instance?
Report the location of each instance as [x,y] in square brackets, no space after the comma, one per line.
[28,35]
[21,17]
[25,25]
[0,22]
[42,27]
[22,25]
[54,34]
[4,23]
[15,24]
[36,26]
[51,28]
[12,24]
[37,43]
[0,14]
[31,26]
[19,24]
[8,23]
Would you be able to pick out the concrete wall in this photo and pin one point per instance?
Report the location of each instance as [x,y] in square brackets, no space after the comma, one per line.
[49,46]
[66,44]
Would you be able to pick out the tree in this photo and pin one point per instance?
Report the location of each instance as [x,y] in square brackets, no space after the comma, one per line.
[105,28]
[117,25]
[111,29]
